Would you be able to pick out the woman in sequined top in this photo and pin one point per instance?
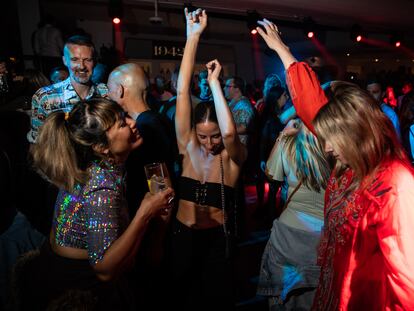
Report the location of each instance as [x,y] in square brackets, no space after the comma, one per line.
[83,153]
[212,158]
[366,251]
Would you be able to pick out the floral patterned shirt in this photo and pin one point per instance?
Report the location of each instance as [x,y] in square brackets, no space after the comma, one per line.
[60,96]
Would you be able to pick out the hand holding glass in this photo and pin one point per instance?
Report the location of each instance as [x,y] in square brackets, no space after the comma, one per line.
[156,177]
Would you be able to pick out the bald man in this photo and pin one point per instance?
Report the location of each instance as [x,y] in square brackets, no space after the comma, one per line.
[128,86]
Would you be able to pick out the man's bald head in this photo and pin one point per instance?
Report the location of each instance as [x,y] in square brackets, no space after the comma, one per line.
[127,81]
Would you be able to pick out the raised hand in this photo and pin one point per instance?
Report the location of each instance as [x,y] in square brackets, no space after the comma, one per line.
[196,22]
[271,34]
[214,69]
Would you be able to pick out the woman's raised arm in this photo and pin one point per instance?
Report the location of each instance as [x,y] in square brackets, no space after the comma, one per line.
[304,87]
[228,130]
[196,23]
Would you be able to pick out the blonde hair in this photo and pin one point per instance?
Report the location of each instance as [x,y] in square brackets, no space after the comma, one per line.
[305,155]
[65,145]
[356,127]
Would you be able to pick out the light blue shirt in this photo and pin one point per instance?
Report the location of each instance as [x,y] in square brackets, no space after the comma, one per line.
[390,113]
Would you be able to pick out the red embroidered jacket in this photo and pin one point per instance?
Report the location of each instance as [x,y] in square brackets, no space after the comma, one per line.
[367,249]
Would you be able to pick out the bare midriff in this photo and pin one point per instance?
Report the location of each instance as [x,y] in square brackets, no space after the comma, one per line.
[68,252]
[199,216]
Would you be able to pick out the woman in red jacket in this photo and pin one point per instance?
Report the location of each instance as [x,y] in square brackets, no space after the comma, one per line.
[366,253]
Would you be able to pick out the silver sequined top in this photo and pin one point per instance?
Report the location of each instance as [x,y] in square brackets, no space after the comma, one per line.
[95,214]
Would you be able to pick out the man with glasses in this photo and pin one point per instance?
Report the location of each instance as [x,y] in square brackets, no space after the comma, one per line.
[240,107]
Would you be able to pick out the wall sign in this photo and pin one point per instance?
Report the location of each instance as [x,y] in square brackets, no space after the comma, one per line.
[167,50]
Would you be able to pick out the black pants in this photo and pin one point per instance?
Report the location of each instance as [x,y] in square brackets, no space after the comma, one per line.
[202,274]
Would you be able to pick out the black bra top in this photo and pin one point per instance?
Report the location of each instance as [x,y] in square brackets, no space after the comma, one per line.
[208,193]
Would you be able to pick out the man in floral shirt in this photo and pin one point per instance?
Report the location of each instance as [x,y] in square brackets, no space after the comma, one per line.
[240,107]
[79,57]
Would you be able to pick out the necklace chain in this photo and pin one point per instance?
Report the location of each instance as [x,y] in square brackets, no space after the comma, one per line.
[223,202]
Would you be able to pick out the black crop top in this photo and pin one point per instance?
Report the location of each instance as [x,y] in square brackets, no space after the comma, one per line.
[208,193]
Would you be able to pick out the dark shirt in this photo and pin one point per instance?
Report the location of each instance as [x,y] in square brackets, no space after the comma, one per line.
[168,109]
[270,132]
[7,210]
[158,146]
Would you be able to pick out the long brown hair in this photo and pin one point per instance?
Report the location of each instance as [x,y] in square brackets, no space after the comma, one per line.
[65,145]
[355,126]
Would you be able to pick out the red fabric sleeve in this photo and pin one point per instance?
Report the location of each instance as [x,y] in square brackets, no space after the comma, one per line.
[395,233]
[305,91]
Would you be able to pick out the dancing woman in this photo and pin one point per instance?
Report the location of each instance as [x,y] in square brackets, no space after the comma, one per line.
[289,272]
[212,159]
[366,252]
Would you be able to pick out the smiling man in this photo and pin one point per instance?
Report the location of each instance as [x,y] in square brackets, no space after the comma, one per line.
[79,58]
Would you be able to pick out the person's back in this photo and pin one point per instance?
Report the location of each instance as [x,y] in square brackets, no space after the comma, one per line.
[305,209]
[297,158]
[306,172]
[158,146]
